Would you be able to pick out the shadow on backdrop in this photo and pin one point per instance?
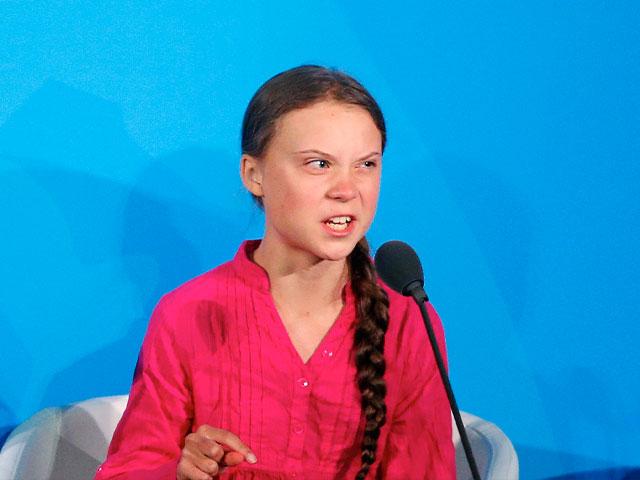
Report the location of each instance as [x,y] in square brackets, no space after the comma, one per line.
[592,418]
[7,422]
[156,252]
[542,464]
[501,222]
[100,230]
[620,473]
[9,342]
[67,288]
[71,129]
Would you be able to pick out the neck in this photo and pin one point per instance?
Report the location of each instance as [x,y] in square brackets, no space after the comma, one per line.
[299,278]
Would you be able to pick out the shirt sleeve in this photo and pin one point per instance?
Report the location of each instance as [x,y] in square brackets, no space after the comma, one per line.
[148,440]
[419,443]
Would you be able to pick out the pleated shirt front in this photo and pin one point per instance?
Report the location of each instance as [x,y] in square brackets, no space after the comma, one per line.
[216,352]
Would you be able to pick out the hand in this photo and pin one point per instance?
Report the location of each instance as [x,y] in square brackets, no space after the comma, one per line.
[208,451]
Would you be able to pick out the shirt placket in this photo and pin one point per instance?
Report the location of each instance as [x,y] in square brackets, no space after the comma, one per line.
[299,424]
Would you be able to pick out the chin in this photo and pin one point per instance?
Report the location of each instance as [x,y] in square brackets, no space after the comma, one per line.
[337,253]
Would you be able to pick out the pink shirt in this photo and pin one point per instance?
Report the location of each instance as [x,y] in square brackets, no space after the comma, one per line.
[217,353]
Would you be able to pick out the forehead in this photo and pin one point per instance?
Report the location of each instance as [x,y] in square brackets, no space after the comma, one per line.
[327,122]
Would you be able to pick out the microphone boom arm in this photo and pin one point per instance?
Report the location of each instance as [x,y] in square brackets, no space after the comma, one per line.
[420,296]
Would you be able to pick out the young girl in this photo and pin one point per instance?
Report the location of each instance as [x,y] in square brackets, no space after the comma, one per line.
[293,360]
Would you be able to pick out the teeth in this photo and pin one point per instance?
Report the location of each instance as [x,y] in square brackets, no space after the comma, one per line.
[339,220]
[337,226]
[339,223]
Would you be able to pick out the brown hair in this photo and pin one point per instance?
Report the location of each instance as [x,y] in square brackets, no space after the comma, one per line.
[298,88]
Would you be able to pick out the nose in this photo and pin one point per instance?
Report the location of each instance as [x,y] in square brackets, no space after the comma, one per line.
[343,188]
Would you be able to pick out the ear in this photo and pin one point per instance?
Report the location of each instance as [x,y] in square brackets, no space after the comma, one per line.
[251,174]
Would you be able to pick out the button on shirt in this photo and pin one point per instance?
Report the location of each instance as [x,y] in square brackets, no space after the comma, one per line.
[217,353]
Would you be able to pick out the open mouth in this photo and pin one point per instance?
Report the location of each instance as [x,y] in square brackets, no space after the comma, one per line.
[339,224]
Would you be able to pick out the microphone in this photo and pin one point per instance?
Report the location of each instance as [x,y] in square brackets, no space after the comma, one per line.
[399,267]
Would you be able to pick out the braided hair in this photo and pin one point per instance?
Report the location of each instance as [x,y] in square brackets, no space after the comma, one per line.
[298,88]
[372,312]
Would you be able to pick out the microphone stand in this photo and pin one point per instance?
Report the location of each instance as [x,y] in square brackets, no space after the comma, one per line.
[420,296]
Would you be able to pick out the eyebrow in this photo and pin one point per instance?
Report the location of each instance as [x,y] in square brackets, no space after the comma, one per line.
[325,154]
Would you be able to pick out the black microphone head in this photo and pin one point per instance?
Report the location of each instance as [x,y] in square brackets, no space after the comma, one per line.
[399,267]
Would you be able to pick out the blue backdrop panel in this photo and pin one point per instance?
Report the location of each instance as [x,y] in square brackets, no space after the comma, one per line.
[512,166]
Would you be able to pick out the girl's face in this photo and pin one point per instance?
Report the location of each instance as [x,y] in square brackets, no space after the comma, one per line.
[319,180]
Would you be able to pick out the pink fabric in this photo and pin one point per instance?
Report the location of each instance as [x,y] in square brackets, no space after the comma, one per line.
[217,353]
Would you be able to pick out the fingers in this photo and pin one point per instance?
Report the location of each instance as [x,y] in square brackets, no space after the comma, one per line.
[210,448]
[200,458]
[197,446]
[229,440]
[188,471]
[208,451]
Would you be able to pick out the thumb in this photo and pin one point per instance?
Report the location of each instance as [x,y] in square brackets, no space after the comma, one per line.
[238,450]
[233,458]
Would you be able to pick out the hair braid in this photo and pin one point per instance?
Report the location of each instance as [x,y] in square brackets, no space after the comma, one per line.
[372,311]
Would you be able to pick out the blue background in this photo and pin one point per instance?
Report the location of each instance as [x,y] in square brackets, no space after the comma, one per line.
[512,167]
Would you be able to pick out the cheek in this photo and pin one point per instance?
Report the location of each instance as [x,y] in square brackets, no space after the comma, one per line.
[290,199]
[371,192]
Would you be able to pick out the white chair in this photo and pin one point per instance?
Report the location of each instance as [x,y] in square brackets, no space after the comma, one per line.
[62,443]
[493,452]
[69,442]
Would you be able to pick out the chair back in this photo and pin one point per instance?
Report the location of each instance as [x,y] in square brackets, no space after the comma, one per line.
[65,443]
[70,442]
[492,450]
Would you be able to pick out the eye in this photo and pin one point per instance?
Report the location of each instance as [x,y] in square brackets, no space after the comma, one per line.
[318,163]
[369,164]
